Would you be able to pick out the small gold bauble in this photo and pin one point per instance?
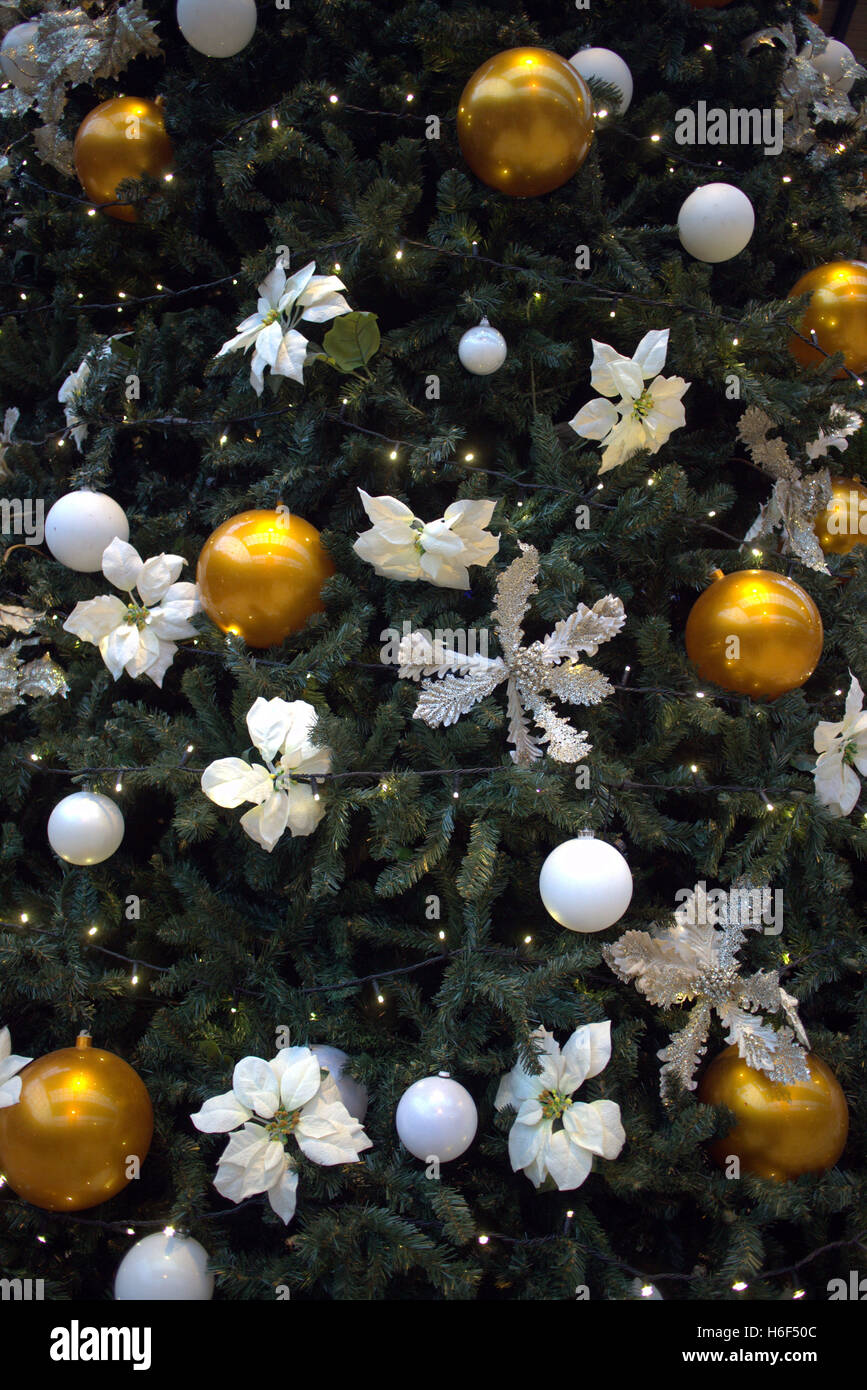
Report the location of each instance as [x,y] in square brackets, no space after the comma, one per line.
[260,575]
[69,1141]
[525,121]
[780,1131]
[843,523]
[837,313]
[124,138]
[754,632]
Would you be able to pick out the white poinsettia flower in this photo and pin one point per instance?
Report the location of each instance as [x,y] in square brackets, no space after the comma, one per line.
[842,748]
[271,331]
[400,546]
[281,731]
[554,1136]
[650,406]
[10,1065]
[270,1104]
[140,632]
[72,388]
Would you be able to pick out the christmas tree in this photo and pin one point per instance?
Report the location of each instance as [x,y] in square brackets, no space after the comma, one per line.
[430,383]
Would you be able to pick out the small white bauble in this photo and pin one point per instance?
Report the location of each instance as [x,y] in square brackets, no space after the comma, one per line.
[715,222]
[437,1118]
[352,1093]
[585,884]
[833,63]
[164,1266]
[482,349]
[80,526]
[85,828]
[217,28]
[18,58]
[605,66]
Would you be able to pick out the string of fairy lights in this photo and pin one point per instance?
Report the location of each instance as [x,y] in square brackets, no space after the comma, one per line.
[591,290]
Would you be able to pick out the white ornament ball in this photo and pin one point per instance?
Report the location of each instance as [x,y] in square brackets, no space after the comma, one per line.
[18,58]
[85,828]
[715,222]
[80,526]
[605,66]
[437,1118]
[217,28]
[482,349]
[164,1266]
[352,1093]
[832,62]
[585,884]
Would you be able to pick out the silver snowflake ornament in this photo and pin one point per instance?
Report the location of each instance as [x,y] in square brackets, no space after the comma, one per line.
[454,681]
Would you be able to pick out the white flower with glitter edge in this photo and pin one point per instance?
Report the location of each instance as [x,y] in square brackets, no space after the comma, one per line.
[402,547]
[10,1065]
[646,415]
[842,747]
[139,637]
[281,731]
[270,1102]
[271,332]
[566,1154]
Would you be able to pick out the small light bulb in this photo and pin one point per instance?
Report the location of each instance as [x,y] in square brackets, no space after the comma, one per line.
[656,138]
[333,99]
[483,1240]
[393,454]
[24,917]
[92,931]
[739,1286]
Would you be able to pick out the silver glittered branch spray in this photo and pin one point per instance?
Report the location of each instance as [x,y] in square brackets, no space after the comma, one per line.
[453,682]
[695,959]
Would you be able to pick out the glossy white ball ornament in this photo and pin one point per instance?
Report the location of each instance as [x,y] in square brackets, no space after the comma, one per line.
[482,349]
[352,1093]
[585,884]
[716,222]
[217,28]
[80,526]
[605,66]
[164,1267]
[437,1118]
[18,59]
[85,828]
[833,63]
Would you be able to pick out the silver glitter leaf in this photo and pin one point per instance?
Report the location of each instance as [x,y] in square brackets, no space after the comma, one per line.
[695,958]
[454,682]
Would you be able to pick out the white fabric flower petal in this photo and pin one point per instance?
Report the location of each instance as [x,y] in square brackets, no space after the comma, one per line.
[119,647]
[282,1194]
[122,565]
[612,374]
[304,812]
[219,1114]
[651,352]
[157,576]
[269,723]
[251,1162]
[567,1163]
[256,1086]
[300,1078]
[596,1127]
[92,619]
[229,782]
[595,420]
[587,1052]
[290,356]
[266,823]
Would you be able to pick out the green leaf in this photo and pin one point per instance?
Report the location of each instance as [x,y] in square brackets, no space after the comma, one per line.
[352,340]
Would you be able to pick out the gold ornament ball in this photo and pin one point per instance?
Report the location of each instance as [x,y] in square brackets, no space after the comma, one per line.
[837,313]
[754,632]
[83,1113]
[124,138]
[260,575]
[525,122]
[780,1131]
[843,523]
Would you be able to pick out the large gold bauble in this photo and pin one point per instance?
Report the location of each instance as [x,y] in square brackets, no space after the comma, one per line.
[843,523]
[525,121]
[82,1117]
[837,312]
[781,1131]
[754,632]
[124,138]
[260,575]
